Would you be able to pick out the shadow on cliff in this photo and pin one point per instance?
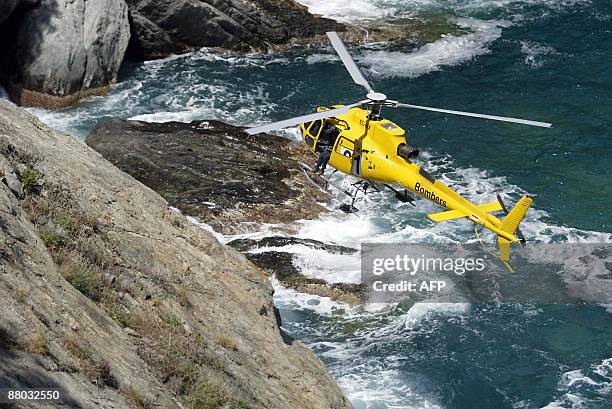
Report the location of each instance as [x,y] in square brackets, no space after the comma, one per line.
[20,370]
[39,14]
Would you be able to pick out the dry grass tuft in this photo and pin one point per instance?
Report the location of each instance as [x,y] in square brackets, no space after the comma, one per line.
[227,342]
[137,399]
[20,294]
[98,372]
[37,344]
[183,297]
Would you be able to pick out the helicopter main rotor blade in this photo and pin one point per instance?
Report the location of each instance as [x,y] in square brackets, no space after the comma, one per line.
[348,61]
[301,119]
[474,115]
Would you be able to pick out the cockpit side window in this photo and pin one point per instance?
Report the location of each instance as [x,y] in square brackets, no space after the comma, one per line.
[315,127]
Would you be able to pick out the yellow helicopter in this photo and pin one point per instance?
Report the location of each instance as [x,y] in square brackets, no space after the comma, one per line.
[375,150]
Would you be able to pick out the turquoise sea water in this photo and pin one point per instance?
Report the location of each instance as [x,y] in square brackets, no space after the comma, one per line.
[542,60]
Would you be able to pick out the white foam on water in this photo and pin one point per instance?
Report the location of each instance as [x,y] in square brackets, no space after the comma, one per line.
[320,58]
[204,226]
[211,101]
[3,93]
[321,264]
[582,387]
[199,91]
[361,12]
[288,298]
[421,311]
[536,54]
[450,50]
[382,388]
[353,11]
[172,57]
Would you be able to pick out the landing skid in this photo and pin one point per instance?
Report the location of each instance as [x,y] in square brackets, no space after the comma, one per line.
[360,186]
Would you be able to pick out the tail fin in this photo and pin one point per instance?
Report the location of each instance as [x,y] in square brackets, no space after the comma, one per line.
[510,223]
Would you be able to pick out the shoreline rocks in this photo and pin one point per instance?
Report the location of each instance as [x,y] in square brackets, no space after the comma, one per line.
[55,52]
[282,265]
[162,27]
[231,181]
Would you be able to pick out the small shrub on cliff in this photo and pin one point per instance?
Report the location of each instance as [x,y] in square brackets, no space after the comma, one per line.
[29,180]
[20,294]
[116,310]
[226,342]
[205,396]
[72,345]
[105,376]
[37,344]
[37,209]
[98,372]
[51,239]
[85,278]
[183,297]
[137,398]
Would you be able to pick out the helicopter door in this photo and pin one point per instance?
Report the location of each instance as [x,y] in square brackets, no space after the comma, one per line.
[311,133]
[342,154]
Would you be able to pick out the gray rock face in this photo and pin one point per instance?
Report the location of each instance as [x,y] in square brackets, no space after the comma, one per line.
[233,24]
[118,300]
[58,51]
[66,49]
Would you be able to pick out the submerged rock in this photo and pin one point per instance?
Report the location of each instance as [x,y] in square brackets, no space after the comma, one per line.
[162,27]
[213,171]
[109,295]
[281,241]
[281,265]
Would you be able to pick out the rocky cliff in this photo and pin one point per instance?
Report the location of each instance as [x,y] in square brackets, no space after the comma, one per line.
[54,52]
[58,51]
[119,301]
[161,27]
